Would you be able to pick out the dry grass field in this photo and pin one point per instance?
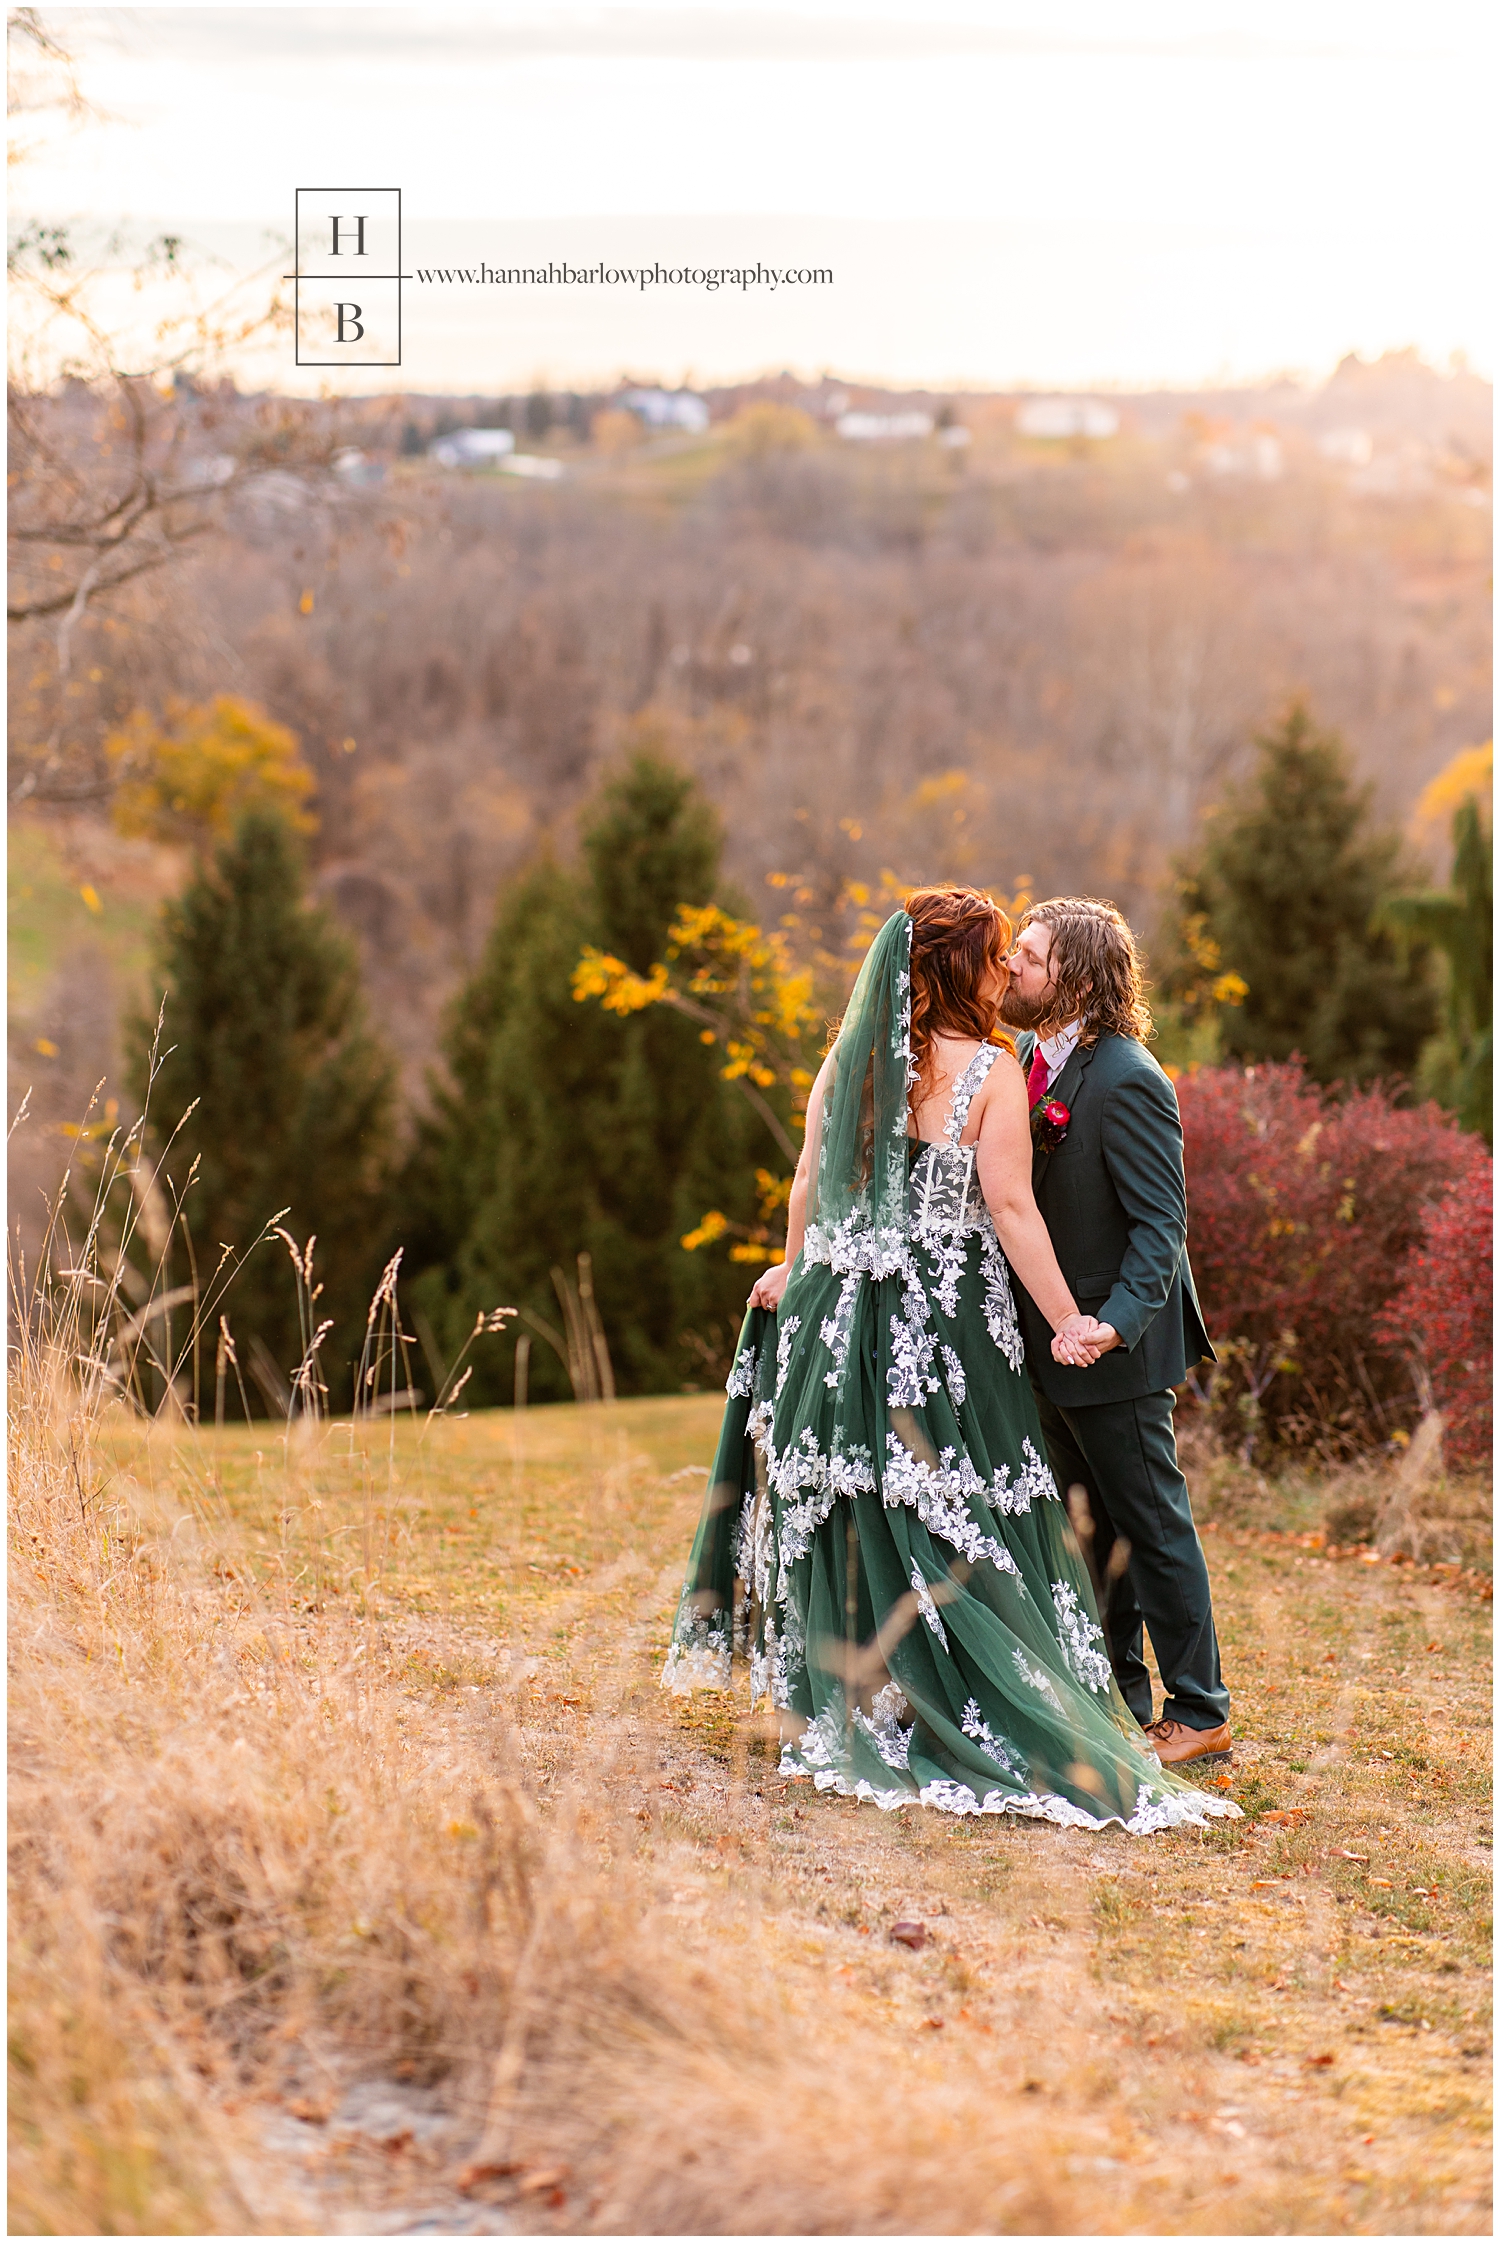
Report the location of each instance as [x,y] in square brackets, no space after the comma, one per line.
[364,1882]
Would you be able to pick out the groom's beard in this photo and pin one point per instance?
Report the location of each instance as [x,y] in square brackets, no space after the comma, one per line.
[1025,1012]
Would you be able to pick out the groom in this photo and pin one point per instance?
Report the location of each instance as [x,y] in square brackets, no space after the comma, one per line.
[1108,1178]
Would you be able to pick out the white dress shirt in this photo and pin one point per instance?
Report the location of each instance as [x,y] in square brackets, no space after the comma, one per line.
[1058,1050]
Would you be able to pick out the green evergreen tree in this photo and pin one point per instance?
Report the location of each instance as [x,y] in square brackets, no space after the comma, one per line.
[265,1029]
[561,1128]
[1457,1065]
[1289,892]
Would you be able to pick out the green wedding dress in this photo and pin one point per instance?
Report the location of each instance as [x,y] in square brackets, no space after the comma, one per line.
[882,1537]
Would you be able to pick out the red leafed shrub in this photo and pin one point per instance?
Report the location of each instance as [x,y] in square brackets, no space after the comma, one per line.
[1442,1312]
[1303,1214]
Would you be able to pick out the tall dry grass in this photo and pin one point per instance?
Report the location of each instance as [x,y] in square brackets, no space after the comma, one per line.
[250,1868]
[255,1863]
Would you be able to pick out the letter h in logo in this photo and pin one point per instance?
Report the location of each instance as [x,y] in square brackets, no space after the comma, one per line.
[348,276]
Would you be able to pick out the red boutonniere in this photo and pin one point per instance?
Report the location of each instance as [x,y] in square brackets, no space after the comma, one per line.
[1049,1124]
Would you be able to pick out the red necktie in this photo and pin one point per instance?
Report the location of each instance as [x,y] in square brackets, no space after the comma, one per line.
[1037,1078]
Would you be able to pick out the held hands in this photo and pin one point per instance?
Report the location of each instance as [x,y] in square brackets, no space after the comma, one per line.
[1080,1341]
[768,1288]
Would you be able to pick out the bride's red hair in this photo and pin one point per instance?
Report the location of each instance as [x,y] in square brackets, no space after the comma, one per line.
[958,935]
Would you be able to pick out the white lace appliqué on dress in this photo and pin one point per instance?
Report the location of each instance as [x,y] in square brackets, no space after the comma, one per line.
[740,1384]
[927,1606]
[1082,1639]
[834,1330]
[789,1331]
[946,1201]
[1035,1485]
[809,1484]
[853,1247]
[1003,1754]
[820,1748]
[1039,1679]
[700,1657]
[911,1377]
[1000,1316]
[942,1496]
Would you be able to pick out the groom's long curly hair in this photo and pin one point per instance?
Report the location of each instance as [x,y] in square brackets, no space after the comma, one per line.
[957,936]
[1097,969]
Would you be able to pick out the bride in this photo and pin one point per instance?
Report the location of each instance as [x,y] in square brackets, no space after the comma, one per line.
[882,1535]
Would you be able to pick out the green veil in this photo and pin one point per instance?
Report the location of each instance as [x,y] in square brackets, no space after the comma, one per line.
[857,1195]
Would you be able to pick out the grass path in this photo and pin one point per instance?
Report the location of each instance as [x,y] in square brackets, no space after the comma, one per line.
[1275,2026]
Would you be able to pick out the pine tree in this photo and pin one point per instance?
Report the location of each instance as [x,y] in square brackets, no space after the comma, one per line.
[562,1128]
[1289,891]
[1457,1065]
[265,1029]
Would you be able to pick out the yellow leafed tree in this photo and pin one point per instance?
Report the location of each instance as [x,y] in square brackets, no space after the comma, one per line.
[193,777]
[1470,772]
[748,995]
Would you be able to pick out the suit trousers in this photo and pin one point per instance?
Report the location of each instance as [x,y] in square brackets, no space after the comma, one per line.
[1124,1456]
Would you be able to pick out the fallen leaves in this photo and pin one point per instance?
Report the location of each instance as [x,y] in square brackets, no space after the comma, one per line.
[546,2181]
[474,2176]
[909,1933]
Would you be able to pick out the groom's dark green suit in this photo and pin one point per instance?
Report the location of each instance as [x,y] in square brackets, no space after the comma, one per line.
[1114,1199]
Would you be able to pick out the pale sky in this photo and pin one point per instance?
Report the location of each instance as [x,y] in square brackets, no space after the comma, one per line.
[1051,192]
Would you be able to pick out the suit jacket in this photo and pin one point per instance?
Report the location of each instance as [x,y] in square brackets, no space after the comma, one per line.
[1114,1199]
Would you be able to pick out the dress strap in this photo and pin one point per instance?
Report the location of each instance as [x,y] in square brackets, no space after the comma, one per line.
[964,1089]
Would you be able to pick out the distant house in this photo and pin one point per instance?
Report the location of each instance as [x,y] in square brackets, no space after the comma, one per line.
[667,408]
[1351,447]
[1067,416]
[883,428]
[472,447]
[354,466]
[1258,458]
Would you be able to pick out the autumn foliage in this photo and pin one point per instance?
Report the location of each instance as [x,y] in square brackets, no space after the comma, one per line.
[1442,1311]
[192,778]
[1313,1225]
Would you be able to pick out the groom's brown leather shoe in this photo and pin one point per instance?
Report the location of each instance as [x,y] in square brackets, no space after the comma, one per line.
[1175,1743]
